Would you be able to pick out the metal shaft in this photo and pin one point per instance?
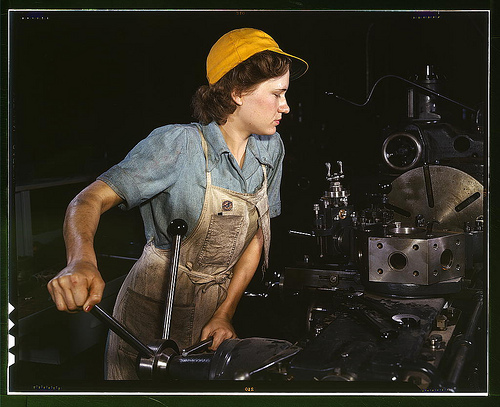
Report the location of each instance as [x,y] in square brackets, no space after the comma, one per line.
[198,346]
[121,331]
[466,342]
[176,229]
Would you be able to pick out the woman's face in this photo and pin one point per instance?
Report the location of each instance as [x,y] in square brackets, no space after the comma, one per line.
[261,110]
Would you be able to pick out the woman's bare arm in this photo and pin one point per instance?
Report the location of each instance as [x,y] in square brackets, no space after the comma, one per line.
[220,326]
[80,285]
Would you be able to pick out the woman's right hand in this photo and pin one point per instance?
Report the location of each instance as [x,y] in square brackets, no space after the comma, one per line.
[79,286]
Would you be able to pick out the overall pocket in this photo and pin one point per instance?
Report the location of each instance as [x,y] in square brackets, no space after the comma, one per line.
[143,317]
[223,233]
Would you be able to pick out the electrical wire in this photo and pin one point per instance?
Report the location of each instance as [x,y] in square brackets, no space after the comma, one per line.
[423,88]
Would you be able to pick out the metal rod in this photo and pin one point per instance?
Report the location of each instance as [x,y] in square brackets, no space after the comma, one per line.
[120,330]
[428,186]
[171,287]
[201,345]
[466,342]
[177,229]
[296,232]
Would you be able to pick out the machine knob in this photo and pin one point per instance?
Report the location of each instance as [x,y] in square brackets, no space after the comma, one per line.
[177,227]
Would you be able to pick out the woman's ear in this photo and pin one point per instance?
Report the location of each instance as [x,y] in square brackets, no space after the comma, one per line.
[237,97]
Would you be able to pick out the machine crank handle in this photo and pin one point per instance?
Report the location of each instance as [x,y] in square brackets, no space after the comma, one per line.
[177,229]
[121,331]
[149,355]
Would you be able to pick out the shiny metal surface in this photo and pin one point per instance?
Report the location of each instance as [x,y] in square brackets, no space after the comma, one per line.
[177,229]
[437,193]
[405,231]
[416,260]
[156,365]
[402,151]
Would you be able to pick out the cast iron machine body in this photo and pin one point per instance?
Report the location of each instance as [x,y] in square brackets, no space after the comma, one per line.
[394,287]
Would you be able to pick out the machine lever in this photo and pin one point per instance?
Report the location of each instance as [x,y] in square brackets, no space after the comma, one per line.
[296,232]
[177,228]
[198,346]
[121,331]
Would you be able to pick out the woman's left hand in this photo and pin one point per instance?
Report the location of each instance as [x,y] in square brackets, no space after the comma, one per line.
[220,328]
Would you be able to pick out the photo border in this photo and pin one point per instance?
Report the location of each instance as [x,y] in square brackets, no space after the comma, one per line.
[322,399]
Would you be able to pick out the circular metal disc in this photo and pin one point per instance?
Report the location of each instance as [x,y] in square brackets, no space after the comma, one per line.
[438,193]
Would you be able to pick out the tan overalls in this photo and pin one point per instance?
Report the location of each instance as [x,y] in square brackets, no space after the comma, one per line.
[227,224]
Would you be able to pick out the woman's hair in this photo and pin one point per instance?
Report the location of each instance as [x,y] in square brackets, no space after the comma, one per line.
[214,102]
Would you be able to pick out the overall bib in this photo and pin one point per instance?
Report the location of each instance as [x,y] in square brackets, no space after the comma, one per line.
[227,224]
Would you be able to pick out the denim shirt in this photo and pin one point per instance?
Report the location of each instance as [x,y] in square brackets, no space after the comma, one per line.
[164,174]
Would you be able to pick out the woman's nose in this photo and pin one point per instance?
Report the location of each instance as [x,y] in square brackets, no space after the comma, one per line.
[283,107]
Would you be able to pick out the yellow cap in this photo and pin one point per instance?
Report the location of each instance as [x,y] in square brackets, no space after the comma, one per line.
[238,45]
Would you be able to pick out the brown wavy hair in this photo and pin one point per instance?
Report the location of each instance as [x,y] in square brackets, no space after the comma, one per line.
[214,102]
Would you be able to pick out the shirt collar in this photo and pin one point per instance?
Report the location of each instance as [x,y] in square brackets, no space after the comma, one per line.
[217,146]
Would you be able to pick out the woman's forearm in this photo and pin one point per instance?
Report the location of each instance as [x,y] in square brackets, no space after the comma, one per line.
[80,285]
[243,272]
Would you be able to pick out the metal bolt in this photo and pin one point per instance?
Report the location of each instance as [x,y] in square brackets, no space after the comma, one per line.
[435,341]
[451,312]
[442,322]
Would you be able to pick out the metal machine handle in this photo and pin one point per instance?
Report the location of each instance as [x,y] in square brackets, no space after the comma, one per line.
[198,346]
[121,331]
[177,228]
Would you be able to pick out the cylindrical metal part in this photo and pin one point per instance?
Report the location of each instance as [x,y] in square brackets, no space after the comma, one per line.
[156,367]
[191,367]
[465,343]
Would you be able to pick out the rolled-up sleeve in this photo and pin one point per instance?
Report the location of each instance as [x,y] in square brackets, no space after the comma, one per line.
[151,167]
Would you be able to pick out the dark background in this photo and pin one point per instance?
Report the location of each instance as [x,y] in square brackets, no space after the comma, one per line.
[87,86]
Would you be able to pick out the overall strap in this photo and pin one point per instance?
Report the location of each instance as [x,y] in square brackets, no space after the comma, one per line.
[205,152]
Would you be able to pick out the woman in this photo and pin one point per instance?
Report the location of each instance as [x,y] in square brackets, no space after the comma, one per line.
[222,175]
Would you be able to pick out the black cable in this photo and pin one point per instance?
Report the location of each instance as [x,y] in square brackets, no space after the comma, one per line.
[423,88]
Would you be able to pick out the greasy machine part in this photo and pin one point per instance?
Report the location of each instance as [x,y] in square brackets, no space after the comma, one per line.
[439,194]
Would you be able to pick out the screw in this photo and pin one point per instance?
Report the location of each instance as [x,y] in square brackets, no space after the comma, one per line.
[435,341]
